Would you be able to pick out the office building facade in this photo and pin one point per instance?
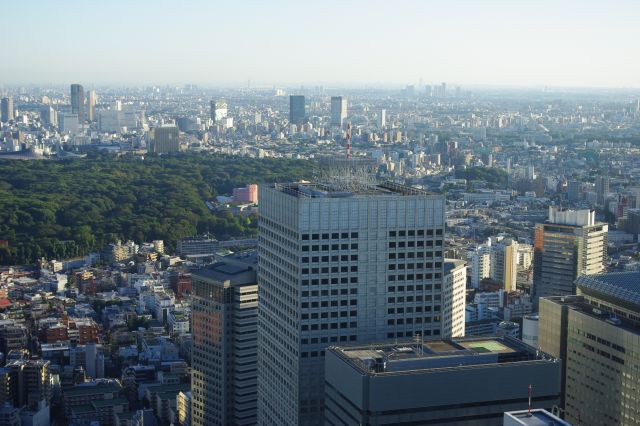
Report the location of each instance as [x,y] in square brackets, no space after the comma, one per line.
[6,109]
[224,315]
[165,139]
[91,105]
[338,110]
[568,245]
[297,110]
[597,335]
[78,101]
[465,381]
[219,110]
[337,265]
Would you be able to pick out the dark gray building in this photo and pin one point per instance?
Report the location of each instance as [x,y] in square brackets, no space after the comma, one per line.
[297,113]
[165,139]
[77,101]
[463,381]
[6,109]
[225,324]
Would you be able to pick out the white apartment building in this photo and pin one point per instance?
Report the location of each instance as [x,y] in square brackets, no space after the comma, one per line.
[454,296]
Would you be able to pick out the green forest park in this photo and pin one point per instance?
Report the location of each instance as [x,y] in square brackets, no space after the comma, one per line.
[63,209]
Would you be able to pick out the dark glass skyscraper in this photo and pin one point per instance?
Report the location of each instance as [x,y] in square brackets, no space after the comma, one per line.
[77,101]
[296,109]
[7,109]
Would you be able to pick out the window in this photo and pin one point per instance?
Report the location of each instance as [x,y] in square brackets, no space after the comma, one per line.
[354,235]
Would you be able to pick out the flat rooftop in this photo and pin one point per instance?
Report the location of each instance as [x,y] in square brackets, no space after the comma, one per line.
[578,303]
[345,188]
[538,417]
[235,273]
[433,354]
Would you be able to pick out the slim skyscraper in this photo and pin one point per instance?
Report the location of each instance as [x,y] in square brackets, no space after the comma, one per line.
[602,189]
[91,105]
[6,109]
[568,245]
[77,101]
[297,113]
[225,305]
[338,264]
[338,110]
[382,118]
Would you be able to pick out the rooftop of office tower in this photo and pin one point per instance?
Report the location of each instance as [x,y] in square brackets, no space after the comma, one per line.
[346,177]
[415,355]
[621,287]
[346,190]
[580,304]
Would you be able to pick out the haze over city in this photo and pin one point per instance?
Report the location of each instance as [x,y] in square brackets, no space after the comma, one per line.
[503,43]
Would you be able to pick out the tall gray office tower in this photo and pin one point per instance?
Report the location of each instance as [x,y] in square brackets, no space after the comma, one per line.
[297,113]
[6,109]
[602,189]
[77,101]
[338,110]
[340,263]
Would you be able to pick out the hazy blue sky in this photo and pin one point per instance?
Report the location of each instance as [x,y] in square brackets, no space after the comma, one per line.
[508,42]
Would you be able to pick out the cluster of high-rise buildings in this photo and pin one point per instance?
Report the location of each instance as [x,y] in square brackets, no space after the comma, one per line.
[360,318]
[488,267]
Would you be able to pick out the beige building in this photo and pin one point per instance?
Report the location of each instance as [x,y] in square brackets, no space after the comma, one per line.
[597,335]
[504,263]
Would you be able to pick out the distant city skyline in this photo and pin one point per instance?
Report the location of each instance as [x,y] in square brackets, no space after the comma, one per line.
[529,43]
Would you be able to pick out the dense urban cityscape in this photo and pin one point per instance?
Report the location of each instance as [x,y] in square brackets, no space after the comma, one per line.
[419,253]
